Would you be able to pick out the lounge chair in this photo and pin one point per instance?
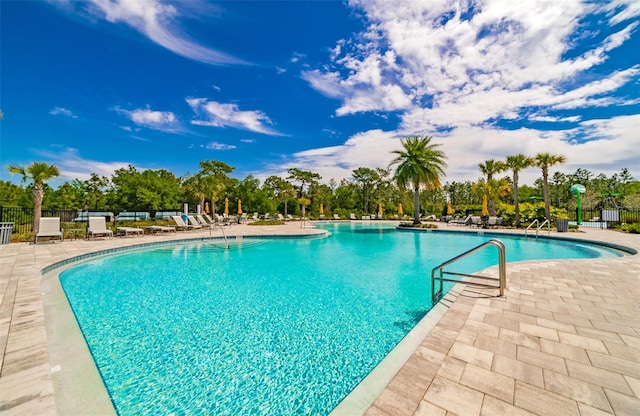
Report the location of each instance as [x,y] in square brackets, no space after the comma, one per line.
[492,221]
[125,231]
[203,222]
[290,218]
[476,221]
[193,222]
[181,225]
[221,220]
[49,227]
[153,229]
[98,226]
[465,221]
[336,217]
[352,216]
[255,216]
[280,217]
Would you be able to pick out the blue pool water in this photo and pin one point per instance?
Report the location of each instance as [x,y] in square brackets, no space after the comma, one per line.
[268,327]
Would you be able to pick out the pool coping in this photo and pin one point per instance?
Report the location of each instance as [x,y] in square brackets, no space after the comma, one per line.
[20,277]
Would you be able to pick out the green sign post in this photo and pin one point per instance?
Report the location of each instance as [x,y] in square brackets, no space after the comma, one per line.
[578,189]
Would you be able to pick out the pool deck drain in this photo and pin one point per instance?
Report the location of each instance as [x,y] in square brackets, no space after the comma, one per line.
[565,338]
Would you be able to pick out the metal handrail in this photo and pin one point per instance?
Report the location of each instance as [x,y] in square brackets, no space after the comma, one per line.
[542,225]
[530,225]
[502,270]
[226,242]
[539,227]
[305,220]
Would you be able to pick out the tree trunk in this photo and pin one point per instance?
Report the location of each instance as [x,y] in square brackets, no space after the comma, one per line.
[416,203]
[516,199]
[38,193]
[545,194]
[285,207]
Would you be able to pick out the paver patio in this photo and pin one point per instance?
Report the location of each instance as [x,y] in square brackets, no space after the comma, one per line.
[563,340]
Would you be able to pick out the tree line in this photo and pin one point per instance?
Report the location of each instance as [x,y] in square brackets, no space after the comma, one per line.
[414,179]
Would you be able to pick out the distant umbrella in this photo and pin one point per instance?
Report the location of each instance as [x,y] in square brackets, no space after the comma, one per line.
[400,211]
[226,206]
[206,207]
[379,209]
[485,210]
[321,209]
[239,206]
[449,209]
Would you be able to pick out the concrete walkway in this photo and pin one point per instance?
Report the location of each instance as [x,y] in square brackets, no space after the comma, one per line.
[565,338]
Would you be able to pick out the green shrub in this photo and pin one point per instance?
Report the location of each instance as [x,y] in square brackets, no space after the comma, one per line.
[412,225]
[633,228]
[267,222]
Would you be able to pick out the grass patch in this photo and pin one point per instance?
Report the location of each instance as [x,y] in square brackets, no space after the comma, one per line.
[267,222]
[412,225]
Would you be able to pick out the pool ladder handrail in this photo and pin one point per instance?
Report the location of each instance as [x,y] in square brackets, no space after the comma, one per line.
[502,271]
[539,227]
[224,235]
[304,221]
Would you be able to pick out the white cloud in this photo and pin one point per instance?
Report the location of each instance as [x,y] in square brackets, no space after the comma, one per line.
[467,67]
[621,10]
[445,62]
[216,114]
[61,111]
[218,146]
[157,20]
[551,119]
[157,120]
[73,166]
[601,146]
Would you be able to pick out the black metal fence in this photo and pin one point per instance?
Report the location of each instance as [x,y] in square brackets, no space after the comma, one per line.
[22,218]
[605,218]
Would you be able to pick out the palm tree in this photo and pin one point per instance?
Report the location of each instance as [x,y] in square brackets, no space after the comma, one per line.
[516,163]
[39,173]
[490,168]
[419,163]
[544,161]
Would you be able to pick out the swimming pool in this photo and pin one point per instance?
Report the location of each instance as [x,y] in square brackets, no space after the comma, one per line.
[284,326]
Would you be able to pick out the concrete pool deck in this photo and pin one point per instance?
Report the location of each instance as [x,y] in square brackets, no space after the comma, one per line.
[565,338]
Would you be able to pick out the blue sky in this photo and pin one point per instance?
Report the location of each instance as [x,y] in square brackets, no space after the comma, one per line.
[325,86]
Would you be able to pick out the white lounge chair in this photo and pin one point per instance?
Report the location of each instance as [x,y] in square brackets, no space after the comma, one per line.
[153,229]
[181,225]
[352,216]
[193,222]
[465,221]
[336,216]
[125,231]
[202,221]
[98,226]
[49,227]
[476,221]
